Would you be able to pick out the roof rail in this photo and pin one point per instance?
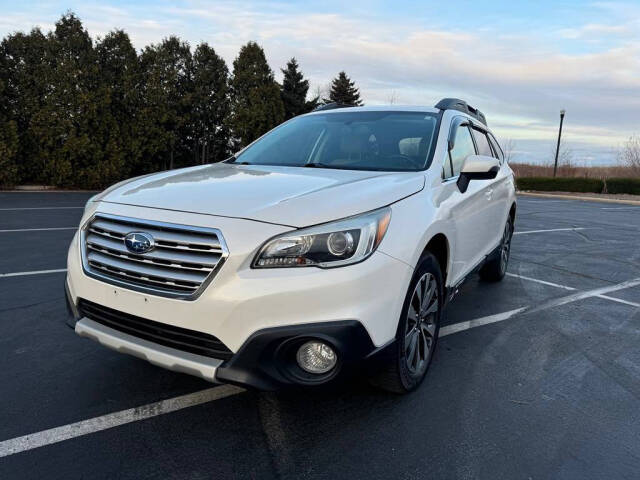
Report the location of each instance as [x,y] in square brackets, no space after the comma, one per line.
[331,106]
[461,106]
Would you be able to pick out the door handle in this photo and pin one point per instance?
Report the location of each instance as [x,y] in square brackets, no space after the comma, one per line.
[488,193]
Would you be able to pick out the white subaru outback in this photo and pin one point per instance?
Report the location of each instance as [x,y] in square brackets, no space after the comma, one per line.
[331,243]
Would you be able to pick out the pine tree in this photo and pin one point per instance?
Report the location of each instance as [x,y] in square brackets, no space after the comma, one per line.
[117,101]
[211,105]
[8,143]
[257,106]
[165,114]
[294,91]
[63,126]
[344,91]
[25,68]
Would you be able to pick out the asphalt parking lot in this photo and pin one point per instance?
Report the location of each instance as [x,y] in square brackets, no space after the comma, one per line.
[535,377]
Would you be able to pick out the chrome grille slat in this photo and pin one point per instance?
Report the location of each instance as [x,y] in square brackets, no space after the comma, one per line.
[182,263]
[147,261]
[177,259]
[161,236]
[135,278]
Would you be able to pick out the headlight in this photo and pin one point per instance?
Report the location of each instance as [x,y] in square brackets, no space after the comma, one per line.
[334,244]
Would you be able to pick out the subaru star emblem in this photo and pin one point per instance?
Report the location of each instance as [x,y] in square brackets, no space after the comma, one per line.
[139,242]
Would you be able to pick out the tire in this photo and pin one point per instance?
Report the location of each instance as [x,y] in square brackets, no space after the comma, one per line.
[410,356]
[496,264]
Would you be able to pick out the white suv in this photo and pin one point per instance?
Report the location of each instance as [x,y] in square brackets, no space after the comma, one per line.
[331,243]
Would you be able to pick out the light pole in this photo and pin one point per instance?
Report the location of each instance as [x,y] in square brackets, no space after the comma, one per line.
[555,165]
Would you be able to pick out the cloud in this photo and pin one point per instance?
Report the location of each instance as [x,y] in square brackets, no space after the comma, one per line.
[520,78]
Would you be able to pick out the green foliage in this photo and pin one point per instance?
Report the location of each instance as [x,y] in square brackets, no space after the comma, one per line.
[79,113]
[561,184]
[257,106]
[623,185]
[211,103]
[344,91]
[294,91]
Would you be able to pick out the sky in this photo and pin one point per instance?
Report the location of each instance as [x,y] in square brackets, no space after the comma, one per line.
[518,61]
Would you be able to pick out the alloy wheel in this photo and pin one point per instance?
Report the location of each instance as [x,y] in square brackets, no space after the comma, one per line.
[421,324]
[505,247]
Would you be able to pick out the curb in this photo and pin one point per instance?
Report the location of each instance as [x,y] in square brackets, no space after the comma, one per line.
[572,197]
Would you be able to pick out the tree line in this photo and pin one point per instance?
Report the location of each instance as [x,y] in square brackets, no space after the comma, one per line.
[85,114]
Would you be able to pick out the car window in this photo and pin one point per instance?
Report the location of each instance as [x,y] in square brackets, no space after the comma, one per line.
[462,148]
[351,140]
[482,143]
[496,147]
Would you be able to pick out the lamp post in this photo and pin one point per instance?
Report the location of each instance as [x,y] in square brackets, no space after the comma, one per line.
[555,165]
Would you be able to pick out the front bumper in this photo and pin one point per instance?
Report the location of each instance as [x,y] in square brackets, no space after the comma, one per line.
[254,312]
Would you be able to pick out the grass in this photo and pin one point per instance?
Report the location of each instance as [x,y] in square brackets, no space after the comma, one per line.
[570,171]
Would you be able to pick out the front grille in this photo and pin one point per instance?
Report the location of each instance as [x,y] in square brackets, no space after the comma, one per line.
[182,262]
[160,333]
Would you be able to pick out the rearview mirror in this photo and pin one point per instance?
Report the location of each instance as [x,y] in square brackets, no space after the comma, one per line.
[477,167]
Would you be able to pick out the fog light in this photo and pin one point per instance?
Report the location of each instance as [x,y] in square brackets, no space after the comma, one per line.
[316,357]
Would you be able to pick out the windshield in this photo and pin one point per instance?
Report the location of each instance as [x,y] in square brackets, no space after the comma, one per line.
[394,141]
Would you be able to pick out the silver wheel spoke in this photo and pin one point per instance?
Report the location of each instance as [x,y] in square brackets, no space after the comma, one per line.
[421,323]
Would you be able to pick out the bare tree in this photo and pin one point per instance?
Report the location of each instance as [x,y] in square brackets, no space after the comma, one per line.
[509,149]
[565,155]
[629,154]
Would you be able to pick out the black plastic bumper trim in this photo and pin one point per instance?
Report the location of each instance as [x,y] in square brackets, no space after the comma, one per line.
[266,360]
[72,311]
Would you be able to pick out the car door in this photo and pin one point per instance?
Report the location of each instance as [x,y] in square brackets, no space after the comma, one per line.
[467,211]
[497,192]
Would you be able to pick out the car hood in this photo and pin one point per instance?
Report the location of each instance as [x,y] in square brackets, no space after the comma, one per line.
[290,196]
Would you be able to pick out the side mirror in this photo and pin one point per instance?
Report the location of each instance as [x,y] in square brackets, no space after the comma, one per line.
[477,167]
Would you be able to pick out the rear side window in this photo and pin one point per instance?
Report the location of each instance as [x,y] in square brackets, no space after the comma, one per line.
[483,143]
[462,148]
[496,147]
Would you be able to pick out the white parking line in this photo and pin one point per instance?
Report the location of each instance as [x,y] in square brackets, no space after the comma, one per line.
[86,427]
[550,230]
[97,424]
[499,317]
[36,208]
[478,322]
[37,229]
[619,300]
[596,292]
[35,272]
[543,282]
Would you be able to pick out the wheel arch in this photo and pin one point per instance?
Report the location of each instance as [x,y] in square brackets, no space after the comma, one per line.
[512,213]
[438,246]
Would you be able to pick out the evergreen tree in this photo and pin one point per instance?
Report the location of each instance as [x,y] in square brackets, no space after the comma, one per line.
[211,105]
[8,143]
[257,106]
[165,113]
[64,125]
[294,91]
[24,70]
[117,102]
[344,91]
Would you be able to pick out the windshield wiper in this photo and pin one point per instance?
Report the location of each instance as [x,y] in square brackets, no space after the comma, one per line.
[317,165]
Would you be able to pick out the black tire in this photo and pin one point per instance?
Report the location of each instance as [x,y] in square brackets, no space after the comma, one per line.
[496,264]
[401,374]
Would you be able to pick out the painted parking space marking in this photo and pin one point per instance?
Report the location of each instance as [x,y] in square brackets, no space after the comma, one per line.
[37,229]
[478,322]
[543,282]
[35,272]
[550,230]
[104,422]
